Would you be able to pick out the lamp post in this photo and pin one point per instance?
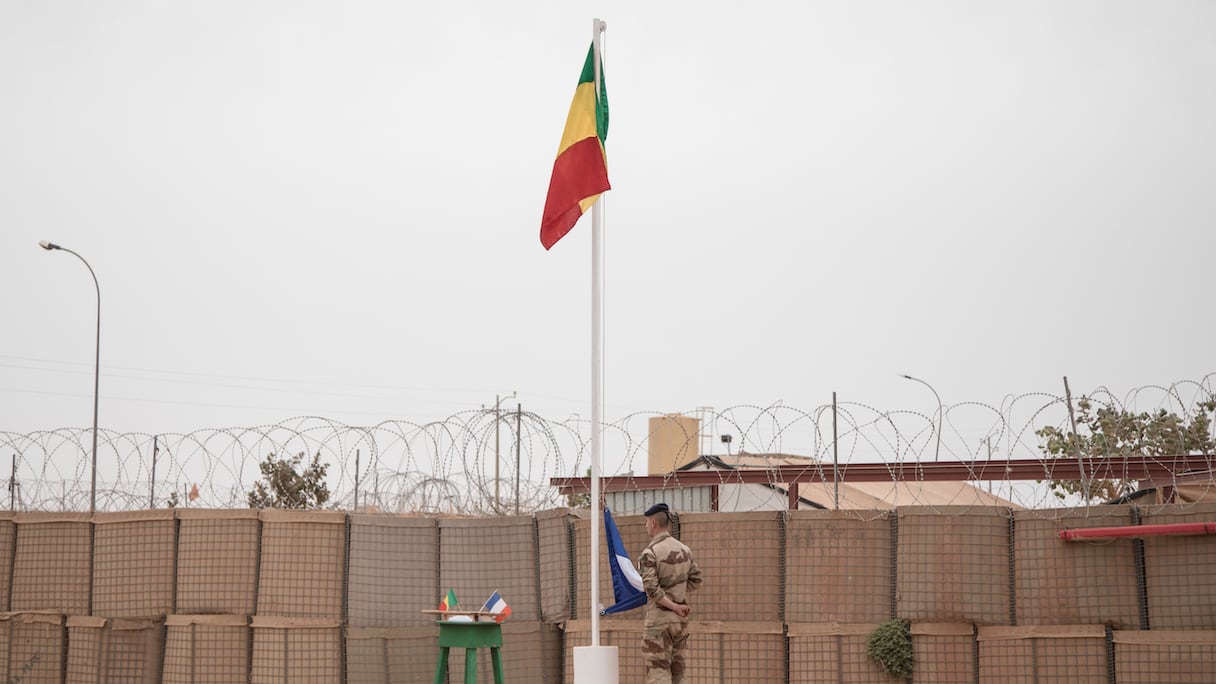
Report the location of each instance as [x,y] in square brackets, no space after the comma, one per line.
[938,449]
[50,246]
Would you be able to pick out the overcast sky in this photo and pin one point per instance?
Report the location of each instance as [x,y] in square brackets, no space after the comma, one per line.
[332,208]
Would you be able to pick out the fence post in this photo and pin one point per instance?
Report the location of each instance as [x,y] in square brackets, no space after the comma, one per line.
[152,483]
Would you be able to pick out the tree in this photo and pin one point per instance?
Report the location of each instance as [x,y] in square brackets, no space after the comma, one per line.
[1108,432]
[283,485]
[579,500]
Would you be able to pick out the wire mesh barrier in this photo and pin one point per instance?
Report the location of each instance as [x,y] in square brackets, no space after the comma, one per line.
[52,563]
[1044,653]
[113,650]
[831,653]
[36,645]
[496,462]
[295,650]
[292,589]
[1055,583]
[209,539]
[1185,657]
[944,652]
[133,563]
[986,594]
[809,540]
[206,648]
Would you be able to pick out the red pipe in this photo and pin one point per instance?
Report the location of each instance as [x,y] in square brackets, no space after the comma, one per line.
[1137,531]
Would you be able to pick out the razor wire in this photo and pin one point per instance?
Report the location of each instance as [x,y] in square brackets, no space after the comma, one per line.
[491,462]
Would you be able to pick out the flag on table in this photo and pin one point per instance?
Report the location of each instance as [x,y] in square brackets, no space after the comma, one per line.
[448,602]
[497,606]
[626,582]
[580,172]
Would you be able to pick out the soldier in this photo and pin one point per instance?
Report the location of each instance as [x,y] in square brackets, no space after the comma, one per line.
[669,574]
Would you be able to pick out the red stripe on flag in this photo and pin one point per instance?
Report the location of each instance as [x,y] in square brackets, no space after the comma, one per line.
[579,173]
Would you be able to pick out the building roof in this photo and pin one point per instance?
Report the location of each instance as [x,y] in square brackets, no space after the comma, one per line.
[861,495]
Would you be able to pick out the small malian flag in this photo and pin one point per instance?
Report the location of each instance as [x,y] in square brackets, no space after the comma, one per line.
[496,605]
[580,172]
[448,602]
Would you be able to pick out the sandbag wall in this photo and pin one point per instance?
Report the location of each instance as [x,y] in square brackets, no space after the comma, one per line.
[327,597]
[50,562]
[319,597]
[736,629]
[991,595]
[401,566]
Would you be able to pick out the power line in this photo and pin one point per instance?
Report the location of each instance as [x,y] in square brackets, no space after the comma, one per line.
[199,383]
[217,405]
[226,377]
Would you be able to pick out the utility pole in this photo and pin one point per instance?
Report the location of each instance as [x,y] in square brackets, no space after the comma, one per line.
[152,488]
[496,459]
[497,420]
[519,414]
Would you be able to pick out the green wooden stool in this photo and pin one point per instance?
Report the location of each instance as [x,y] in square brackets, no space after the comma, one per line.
[470,636]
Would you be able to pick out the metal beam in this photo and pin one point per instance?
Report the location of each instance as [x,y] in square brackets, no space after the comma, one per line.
[1151,471]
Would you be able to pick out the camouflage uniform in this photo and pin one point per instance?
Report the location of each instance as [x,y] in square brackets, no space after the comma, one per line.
[667,569]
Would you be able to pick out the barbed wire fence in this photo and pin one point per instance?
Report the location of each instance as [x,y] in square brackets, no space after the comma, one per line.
[499,462]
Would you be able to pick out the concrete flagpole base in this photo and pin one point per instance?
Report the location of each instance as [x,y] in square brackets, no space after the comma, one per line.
[595,665]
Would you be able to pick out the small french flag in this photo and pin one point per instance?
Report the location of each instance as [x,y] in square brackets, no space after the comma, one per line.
[497,606]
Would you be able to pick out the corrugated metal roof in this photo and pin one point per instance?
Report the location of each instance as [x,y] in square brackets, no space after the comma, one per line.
[682,499]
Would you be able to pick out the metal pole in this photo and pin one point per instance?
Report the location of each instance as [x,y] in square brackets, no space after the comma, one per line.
[356,479]
[496,423]
[152,486]
[597,367]
[938,449]
[519,412]
[96,368]
[1076,441]
[835,460]
[988,441]
[96,392]
[12,486]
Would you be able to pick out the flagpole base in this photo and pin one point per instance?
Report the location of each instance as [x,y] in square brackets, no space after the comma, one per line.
[595,665]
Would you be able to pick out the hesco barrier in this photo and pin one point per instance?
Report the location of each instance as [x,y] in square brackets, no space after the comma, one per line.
[990,595]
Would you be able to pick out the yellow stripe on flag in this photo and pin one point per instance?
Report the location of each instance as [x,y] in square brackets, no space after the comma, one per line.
[580,123]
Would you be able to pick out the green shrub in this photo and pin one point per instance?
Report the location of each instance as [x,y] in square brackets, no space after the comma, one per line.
[890,645]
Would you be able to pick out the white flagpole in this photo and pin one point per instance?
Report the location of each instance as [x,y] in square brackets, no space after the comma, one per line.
[596,664]
[597,367]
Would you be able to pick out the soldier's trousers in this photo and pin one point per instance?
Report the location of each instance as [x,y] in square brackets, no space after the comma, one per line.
[663,649]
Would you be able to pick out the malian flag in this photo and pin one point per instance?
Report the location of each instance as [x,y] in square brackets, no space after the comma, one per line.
[580,172]
[497,606]
[448,602]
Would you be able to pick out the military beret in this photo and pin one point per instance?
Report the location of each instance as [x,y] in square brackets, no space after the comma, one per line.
[656,509]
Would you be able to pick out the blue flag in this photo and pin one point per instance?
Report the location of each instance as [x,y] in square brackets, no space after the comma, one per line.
[626,582]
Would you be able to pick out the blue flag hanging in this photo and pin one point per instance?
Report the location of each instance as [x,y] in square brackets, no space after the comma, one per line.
[626,582]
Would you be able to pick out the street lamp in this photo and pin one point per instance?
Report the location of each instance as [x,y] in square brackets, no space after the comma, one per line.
[938,449]
[50,246]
